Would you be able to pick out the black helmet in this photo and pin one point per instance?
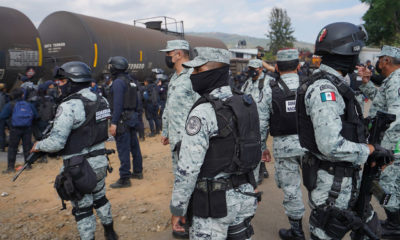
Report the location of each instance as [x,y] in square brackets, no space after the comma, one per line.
[118,63]
[75,71]
[341,38]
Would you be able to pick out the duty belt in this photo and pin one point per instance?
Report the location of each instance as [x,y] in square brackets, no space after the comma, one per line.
[211,185]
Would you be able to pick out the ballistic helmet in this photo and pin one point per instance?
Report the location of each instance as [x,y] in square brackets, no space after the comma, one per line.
[118,64]
[75,71]
[341,38]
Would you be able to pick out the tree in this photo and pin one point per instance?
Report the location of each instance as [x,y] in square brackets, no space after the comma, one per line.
[281,30]
[382,22]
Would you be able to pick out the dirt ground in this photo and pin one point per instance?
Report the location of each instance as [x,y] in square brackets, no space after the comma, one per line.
[32,208]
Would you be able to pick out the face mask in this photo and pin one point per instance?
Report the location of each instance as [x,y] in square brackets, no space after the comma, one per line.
[252,73]
[52,92]
[65,90]
[377,68]
[205,82]
[168,61]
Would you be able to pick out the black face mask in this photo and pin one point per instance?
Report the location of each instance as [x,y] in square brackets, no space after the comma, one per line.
[344,64]
[377,68]
[65,90]
[205,82]
[168,61]
[52,92]
[252,73]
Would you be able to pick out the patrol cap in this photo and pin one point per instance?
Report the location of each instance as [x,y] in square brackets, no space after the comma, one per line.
[255,63]
[390,51]
[284,55]
[208,54]
[175,45]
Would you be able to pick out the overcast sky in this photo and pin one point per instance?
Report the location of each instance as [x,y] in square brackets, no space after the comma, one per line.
[249,17]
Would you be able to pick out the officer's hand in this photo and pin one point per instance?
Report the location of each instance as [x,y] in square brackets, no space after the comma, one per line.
[164,140]
[266,156]
[113,130]
[175,223]
[34,148]
[381,157]
[364,73]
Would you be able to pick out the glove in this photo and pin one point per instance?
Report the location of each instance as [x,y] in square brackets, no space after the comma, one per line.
[381,156]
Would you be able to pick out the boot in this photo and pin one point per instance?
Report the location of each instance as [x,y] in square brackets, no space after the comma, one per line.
[294,233]
[8,170]
[137,175]
[109,232]
[121,183]
[391,226]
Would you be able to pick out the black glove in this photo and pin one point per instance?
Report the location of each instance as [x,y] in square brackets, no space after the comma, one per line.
[381,156]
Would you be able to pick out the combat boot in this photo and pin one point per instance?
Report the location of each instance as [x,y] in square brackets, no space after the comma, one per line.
[8,170]
[137,175]
[121,183]
[391,226]
[294,233]
[109,232]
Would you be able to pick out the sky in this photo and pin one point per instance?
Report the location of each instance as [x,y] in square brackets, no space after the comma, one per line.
[244,17]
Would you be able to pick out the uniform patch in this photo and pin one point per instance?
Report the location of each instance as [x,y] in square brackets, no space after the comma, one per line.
[59,111]
[322,35]
[326,86]
[193,126]
[328,96]
[290,105]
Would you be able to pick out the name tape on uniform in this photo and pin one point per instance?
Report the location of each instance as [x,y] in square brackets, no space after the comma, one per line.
[103,114]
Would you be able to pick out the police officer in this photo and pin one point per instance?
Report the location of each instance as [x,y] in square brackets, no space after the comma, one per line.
[330,125]
[151,105]
[223,202]
[255,87]
[387,98]
[69,138]
[124,99]
[287,150]
[180,97]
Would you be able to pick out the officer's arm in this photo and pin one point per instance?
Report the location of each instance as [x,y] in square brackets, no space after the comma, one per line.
[201,123]
[264,107]
[325,107]
[118,89]
[165,117]
[369,90]
[62,126]
[393,103]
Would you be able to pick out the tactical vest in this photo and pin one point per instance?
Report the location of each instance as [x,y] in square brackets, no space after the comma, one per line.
[130,94]
[353,128]
[95,128]
[260,87]
[283,117]
[237,147]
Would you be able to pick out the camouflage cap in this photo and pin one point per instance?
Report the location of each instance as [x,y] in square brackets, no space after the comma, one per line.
[390,51]
[208,54]
[287,55]
[175,45]
[255,63]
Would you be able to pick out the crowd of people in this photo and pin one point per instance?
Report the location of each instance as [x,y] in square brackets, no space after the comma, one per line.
[217,131]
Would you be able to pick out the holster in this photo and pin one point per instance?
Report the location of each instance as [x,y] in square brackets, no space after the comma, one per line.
[310,166]
[209,199]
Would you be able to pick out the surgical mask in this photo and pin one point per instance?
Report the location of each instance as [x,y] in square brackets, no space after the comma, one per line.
[168,62]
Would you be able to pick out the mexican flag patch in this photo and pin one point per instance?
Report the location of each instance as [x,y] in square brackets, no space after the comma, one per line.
[328,96]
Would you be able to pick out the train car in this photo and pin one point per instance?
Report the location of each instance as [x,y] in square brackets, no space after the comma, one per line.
[68,36]
[20,46]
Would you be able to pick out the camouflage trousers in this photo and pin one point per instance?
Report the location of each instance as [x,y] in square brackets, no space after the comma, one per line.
[239,207]
[390,182]
[175,157]
[87,225]
[288,178]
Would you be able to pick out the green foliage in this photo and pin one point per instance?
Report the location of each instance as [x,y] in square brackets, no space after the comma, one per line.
[382,22]
[281,31]
[269,57]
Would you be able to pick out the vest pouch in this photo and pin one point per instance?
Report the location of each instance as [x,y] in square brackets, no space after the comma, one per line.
[310,167]
[217,200]
[201,206]
[250,155]
[82,174]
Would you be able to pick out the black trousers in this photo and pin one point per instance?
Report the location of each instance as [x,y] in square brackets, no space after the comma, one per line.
[16,135]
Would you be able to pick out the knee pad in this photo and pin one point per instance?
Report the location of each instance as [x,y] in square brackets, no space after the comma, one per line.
[82,213]
[100,202]
[241,231]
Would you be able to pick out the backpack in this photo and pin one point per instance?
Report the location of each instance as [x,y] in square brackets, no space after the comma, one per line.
[22,114]
[46,109]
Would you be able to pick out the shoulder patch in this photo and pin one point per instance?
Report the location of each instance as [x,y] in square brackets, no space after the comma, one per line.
[328,96]
[193,125]
[59,111]
[326,86]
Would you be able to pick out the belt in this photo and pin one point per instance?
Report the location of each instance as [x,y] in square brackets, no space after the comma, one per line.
[348,168]
[222,184]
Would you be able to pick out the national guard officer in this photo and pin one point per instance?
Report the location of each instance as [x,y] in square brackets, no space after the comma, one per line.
[75,135]
[180,97]
[124,108]
[331,127]
[387,98]
[255,87]
[286,146]
[214,169]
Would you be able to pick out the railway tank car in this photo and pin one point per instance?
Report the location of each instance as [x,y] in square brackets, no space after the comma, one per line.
[20,45]
[68,36]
